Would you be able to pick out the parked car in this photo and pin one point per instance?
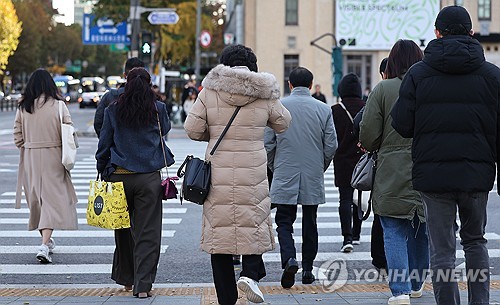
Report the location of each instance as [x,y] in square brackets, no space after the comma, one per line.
[92,90]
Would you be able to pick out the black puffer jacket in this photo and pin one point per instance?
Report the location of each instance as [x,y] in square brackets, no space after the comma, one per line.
[449,104]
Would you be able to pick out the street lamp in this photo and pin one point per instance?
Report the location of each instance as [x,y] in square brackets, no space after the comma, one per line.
[337,61]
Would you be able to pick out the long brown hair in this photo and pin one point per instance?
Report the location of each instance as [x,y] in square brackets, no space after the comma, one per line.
[403,55]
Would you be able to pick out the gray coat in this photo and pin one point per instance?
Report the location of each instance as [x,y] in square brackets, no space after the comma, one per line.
[300,155]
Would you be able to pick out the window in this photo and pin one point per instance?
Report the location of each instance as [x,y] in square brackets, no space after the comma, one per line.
[292,12]
[459,2]
[291,62]
[484,9]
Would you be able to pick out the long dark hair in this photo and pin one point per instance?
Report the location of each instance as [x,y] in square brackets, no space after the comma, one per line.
[403,55]
[39,83]
[136,106]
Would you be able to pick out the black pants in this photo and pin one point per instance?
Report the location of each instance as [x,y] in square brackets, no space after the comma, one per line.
[349,215]
[123,259]
[377,244]
[285,217]
[143,192]
[223,272]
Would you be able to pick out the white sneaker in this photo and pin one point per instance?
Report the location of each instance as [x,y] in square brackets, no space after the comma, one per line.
[51,244]
[417,293]
[356,242]
[43,255]
[403,299]
[347,248]
[250,288]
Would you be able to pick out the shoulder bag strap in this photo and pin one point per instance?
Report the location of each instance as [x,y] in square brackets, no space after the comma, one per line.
[367,214]
[225,130]
[161,140]
[348,114]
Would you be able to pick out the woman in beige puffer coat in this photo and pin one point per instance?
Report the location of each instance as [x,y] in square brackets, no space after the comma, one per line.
[236,213]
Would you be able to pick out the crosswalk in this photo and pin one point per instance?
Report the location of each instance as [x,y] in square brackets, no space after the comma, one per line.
[94,247]
[86,242]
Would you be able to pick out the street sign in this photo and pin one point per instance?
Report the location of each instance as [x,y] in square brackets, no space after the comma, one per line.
[205,39]
[104,31]
[159,17]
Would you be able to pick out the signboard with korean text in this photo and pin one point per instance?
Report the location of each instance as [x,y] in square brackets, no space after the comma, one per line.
[378,24]
[104,31]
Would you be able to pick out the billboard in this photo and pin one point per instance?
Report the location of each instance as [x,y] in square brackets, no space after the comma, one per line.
[378,24]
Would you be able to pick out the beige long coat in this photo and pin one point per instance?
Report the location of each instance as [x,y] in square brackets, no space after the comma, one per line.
[47,185]
[236,214]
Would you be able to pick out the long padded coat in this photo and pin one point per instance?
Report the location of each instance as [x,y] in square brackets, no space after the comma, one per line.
[236,214]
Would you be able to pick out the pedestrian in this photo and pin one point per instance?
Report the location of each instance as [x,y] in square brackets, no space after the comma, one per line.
[299,157]
[393,198]
[189,89]
[113,94]
[449,104]
[237,211]
[318,95]
[47,185]
[346,157]
[122,271]
[130,150]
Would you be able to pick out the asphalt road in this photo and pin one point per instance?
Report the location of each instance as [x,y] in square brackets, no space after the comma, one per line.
[84,256]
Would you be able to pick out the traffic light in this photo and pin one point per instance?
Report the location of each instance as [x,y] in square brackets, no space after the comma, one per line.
[145,50]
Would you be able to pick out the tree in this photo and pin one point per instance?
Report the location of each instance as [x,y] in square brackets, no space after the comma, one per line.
[36,20]
[10,30]
[176,43]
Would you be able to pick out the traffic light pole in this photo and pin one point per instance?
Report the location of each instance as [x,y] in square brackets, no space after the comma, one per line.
[198,32]
[135,20]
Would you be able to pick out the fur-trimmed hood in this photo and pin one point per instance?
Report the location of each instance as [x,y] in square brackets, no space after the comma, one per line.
[241,85]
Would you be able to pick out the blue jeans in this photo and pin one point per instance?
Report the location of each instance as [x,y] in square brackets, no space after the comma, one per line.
[441,213]
[407,253]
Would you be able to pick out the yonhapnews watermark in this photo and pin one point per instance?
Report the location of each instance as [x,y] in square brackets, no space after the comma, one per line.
[334,274]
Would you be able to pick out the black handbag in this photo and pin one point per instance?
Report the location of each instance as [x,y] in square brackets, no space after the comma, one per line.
[197,173]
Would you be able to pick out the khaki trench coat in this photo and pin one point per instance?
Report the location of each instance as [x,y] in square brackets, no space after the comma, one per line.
[47,185]
[236,214]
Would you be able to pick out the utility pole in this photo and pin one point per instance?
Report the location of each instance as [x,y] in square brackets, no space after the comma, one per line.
[135,20]
[198,32]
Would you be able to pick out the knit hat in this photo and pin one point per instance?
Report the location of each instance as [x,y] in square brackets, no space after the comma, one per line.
[453,16]
[349,86]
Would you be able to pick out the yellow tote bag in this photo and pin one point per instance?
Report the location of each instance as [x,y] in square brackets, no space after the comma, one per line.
[107,207]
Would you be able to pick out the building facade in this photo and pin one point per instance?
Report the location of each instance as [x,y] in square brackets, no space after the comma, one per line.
[281,31]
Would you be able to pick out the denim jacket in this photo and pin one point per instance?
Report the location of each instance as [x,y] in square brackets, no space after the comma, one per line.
[135,149]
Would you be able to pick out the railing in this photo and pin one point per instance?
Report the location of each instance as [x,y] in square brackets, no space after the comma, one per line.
[8,104]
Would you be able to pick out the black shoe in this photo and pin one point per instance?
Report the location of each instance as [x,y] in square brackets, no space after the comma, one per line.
[307,277]
[288,276]
[236,260]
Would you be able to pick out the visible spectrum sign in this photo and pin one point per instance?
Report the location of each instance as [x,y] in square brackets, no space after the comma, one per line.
[378,24]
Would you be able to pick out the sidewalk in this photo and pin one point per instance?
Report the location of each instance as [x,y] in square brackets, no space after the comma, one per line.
[204,294]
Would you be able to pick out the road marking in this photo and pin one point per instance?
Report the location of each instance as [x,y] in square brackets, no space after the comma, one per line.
[63,249]
[57,269]
[325,225]
[76,233]
[353,256]
[81,221]
[366,238]
[80,210]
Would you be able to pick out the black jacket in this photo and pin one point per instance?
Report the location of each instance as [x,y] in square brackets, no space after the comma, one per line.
[348,152]
[109,97]
[449,104]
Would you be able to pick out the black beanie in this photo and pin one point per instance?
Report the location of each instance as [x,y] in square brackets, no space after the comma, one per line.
[350,86]
[453,16]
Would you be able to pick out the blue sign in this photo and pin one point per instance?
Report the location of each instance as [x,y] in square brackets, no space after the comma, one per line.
[104,31]
[163,18]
